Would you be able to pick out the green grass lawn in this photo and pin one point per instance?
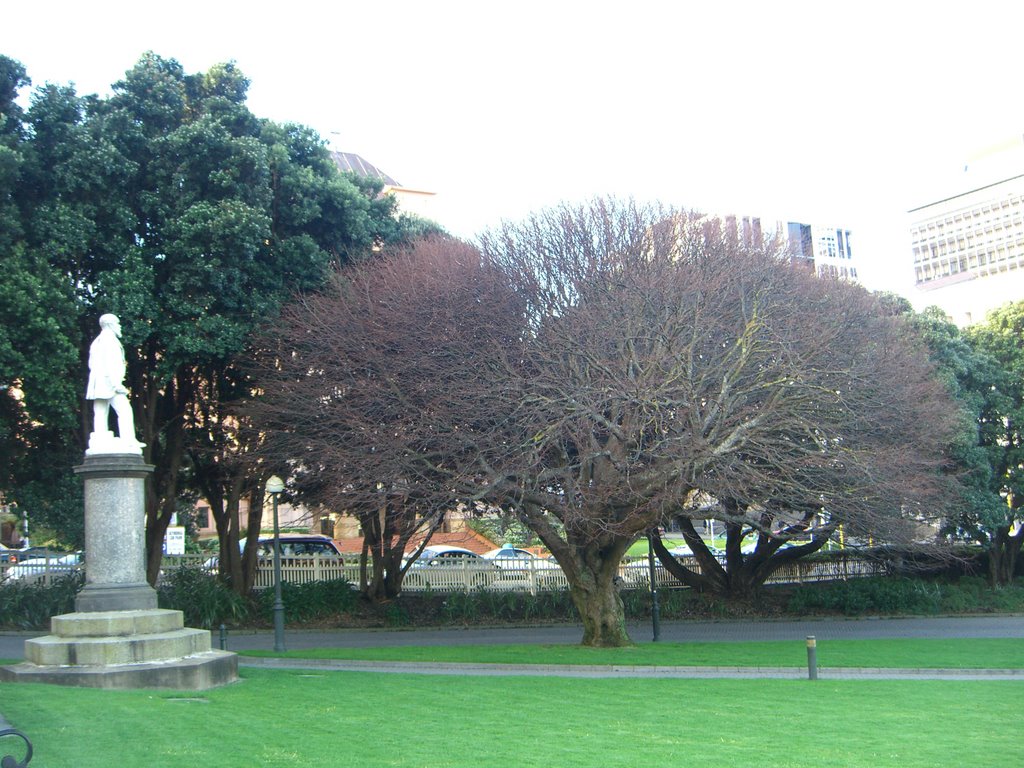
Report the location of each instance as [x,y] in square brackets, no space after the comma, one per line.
[951,653]
[287,718]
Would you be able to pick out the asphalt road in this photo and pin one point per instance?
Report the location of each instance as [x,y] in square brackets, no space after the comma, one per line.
[12,643]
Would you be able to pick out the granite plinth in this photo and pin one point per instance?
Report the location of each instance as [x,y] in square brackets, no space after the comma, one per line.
[195,673]
[124,649]
[115,526]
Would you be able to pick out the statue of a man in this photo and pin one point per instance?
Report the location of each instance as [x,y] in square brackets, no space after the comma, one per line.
[106,389]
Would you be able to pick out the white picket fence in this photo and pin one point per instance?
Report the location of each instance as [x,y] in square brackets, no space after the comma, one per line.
[534,576]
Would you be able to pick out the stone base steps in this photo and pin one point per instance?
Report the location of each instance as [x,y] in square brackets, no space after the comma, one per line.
[124,649]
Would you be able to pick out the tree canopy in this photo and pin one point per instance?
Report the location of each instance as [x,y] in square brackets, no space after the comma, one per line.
[593,368]
[171,205]
[997,385]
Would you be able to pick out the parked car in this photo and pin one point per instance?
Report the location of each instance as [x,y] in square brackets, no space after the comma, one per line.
[510,553]
[443,554]
[8,555]
[521,568]
[25,554]
[35,569]
[292,545]
[462,564]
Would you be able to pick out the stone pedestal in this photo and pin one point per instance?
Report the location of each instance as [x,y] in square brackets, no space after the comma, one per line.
[124,649]
[117,637]
[115,534]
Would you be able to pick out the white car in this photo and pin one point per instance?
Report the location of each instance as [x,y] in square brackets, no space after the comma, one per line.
[38,569]
[292,545]
[520,567]
[446,567]
[512,554]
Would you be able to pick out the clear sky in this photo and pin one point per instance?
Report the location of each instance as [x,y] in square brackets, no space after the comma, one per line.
[843,114]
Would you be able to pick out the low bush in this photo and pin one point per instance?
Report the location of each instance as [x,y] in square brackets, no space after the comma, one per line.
[311,602]
[904,595]
[483,606]
[872,596]
[30,606]
[672,603]
[205,601]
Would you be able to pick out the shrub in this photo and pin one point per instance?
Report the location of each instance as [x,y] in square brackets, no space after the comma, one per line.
[30,606]
[484,606]
[672,603]
[875,595]
[312,601]
[205,601]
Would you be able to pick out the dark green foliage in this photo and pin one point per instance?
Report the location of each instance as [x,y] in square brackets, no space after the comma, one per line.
[396,615]
[975,595]
[871,596]
[207,603]
[30,606]
[310,602]
[172,205]
[889,596]
[205,600]
[498,607]
[1001,438]
[672,603]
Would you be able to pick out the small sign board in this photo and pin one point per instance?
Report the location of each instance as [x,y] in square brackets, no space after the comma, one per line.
[174,540]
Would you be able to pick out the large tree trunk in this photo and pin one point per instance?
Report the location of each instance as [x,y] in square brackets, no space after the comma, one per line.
[591,569]
[602,613]
[165,450]
[1002,555]
[386,534]
[742,575]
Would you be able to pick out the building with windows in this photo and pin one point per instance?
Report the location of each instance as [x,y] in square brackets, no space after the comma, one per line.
[968,246]
[826,250]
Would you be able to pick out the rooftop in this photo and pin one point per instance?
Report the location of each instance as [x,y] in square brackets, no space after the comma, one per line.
[353,163]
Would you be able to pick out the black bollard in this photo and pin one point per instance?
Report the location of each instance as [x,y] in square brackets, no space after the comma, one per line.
[812,658]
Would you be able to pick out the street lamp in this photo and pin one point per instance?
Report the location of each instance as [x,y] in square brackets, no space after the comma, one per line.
[655,607]
[275,486]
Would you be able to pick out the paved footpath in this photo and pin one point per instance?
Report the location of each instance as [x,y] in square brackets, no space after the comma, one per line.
[12,644]
[674,631]
[671,631]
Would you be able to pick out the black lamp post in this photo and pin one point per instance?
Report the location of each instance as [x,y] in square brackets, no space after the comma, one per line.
[275,486]
[655,607]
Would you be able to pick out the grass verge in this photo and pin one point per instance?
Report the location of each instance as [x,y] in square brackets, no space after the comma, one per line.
[284,718]
[911,654]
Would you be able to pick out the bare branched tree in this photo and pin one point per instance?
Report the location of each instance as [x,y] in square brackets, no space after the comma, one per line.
[594,368]
[377,389]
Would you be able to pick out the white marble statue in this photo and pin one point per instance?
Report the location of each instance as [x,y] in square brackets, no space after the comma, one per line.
[106,389]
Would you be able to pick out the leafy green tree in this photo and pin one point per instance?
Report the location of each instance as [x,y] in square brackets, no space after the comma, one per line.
[981,368]
[999,523]
[171,205]
[38,341]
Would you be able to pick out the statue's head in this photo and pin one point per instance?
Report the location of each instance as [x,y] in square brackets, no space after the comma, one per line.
[111,322]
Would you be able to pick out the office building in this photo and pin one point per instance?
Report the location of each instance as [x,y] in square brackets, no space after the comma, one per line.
[968,246]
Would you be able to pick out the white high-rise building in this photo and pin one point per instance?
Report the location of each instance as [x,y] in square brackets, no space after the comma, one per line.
[826,250]
[968,246]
